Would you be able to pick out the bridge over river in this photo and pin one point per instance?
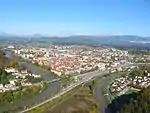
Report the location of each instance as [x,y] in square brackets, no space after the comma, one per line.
[52,81]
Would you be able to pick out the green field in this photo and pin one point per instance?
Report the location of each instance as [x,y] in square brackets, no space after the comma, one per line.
[132,90]
[11,76]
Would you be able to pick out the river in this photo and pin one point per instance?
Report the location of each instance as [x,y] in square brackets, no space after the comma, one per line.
[52,88]
[99,93]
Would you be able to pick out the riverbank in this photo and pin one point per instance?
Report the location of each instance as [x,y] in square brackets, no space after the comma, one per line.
[49,92]
[67,99]
[32,100]
[79,99]
[20,94]
[34,65]
[101,89]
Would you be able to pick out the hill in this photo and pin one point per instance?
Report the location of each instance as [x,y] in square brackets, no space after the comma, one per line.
[139,105]
[120,41]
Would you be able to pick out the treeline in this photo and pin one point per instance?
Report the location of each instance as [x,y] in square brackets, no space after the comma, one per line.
[139,105]
[87,71]
[33,79]
[131,103]
[4,77]
[139,52]
[142,70]
[43,66]
[11,96]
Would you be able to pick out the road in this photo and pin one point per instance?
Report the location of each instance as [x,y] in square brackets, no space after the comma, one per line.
[63,91]
[85,78]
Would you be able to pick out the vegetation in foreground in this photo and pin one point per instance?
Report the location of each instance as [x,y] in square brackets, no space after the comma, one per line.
[134,100]
[79,100]
[141,104]
[12,96]
[22,92]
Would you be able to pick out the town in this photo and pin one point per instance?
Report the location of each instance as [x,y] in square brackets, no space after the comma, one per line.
[15,77]
[74,59]
[136,79]
[62,60]
[72,66]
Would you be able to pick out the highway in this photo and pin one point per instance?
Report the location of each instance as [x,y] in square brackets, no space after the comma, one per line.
[63,91]
[85,78]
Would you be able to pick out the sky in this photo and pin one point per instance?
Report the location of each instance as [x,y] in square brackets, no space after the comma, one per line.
[75,17]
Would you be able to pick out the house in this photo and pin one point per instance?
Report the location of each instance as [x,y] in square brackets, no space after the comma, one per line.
[12,81]
[57,72]
[11,70]
[24,71]
[35,60]
[1,86]
[26,83]
[36,75]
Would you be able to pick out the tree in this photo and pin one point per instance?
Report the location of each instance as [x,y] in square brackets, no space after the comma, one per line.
[96,68]
[20,68]
[13,63]
[4,79]
[1,71]
[63,76]
[18,84]
[17,94]
[9,97]
[140,104]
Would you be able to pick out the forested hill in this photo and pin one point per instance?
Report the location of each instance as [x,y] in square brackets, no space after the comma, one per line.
[141,104]
[120,41]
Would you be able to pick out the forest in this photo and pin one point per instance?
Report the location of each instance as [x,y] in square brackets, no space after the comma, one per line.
[141,104]
[12,96]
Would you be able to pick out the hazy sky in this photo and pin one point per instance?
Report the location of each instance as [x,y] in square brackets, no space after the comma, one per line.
[72,17]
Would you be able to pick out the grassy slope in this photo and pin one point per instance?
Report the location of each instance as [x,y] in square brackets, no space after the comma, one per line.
[79,100]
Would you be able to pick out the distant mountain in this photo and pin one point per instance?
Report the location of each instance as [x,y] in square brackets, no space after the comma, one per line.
[121,41]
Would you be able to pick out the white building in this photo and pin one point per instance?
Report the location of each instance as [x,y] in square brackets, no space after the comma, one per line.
[11,70]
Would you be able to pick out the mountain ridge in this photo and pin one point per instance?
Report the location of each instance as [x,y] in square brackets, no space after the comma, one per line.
[125,41]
